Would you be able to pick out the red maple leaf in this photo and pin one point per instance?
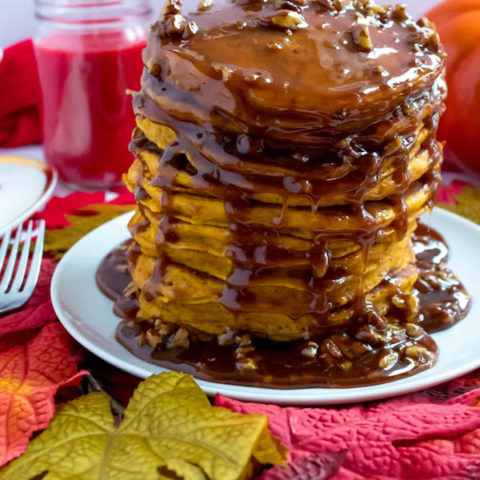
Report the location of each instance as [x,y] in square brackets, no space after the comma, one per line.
[56,209]
[38,311]
[30,374]
[426,435]
[16,338]
[123,196]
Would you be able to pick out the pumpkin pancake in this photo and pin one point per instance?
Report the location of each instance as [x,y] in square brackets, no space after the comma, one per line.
[284,152]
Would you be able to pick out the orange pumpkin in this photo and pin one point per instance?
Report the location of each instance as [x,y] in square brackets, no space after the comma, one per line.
[458,23]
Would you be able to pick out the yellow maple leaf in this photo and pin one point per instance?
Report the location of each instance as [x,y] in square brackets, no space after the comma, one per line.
[467,204]
[169,431]
[58,241]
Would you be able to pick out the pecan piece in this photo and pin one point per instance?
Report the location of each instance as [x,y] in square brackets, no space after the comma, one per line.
[332,4]
[172,7]
[388,361]
[288,19]
[152,339]
[205,5]
[414,331]
[416,352]
[310,350]
[399,13]
[175,23]
[361,34]
[179,340]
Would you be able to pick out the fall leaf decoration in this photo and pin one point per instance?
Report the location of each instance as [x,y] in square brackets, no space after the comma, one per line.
[85,219]
[38,311]
[169,431]
[467,204]
[30,374]
[56,211]
[433,434]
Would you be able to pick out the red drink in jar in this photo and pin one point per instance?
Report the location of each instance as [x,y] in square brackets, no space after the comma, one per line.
[85,68]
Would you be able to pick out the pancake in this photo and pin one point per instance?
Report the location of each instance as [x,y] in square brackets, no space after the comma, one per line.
[284,152]
[185,171]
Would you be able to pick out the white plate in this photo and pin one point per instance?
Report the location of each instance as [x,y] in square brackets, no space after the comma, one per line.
[25,185]
[87,314]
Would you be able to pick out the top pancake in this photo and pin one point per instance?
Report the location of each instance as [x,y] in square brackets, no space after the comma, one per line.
[340,65]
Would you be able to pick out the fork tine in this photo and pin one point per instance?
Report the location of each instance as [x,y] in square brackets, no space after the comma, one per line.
[4,248]
[36,259]
[7,275]
[22,263]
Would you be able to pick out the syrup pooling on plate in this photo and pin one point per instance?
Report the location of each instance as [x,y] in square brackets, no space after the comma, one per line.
[284,151]
[286,365]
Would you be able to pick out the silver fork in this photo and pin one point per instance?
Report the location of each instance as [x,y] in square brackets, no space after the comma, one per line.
[16,286]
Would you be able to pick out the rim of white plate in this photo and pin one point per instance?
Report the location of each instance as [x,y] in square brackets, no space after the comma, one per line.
[51,182]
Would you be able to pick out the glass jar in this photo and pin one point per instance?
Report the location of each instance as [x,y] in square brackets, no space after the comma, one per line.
[89,54]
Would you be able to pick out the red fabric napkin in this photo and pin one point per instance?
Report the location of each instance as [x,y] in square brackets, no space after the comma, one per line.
[19,96]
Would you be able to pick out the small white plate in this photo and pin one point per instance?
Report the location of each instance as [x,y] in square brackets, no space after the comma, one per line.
[87,314]
[25,185]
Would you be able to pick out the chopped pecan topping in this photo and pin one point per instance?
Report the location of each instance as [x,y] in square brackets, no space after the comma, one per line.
[247,364]
[415,352]
[164,329]
[333,349]
[174,24]
[179,340]
[224,70]
[191,28]
[424,22]
[172,7]
[388,361]
[414,331]
[332,4]
[243,340]
[288,19]
[152,339]
[227,338]
[205,5]
[288,5]
[361,34]
[424,35]
[399,13]
[398,300]
[374,9]
[310,350]
[369,334]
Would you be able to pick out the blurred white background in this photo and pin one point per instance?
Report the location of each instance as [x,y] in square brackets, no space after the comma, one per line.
[17,22]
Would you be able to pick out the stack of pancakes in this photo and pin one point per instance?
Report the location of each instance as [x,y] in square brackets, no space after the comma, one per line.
[284,152]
